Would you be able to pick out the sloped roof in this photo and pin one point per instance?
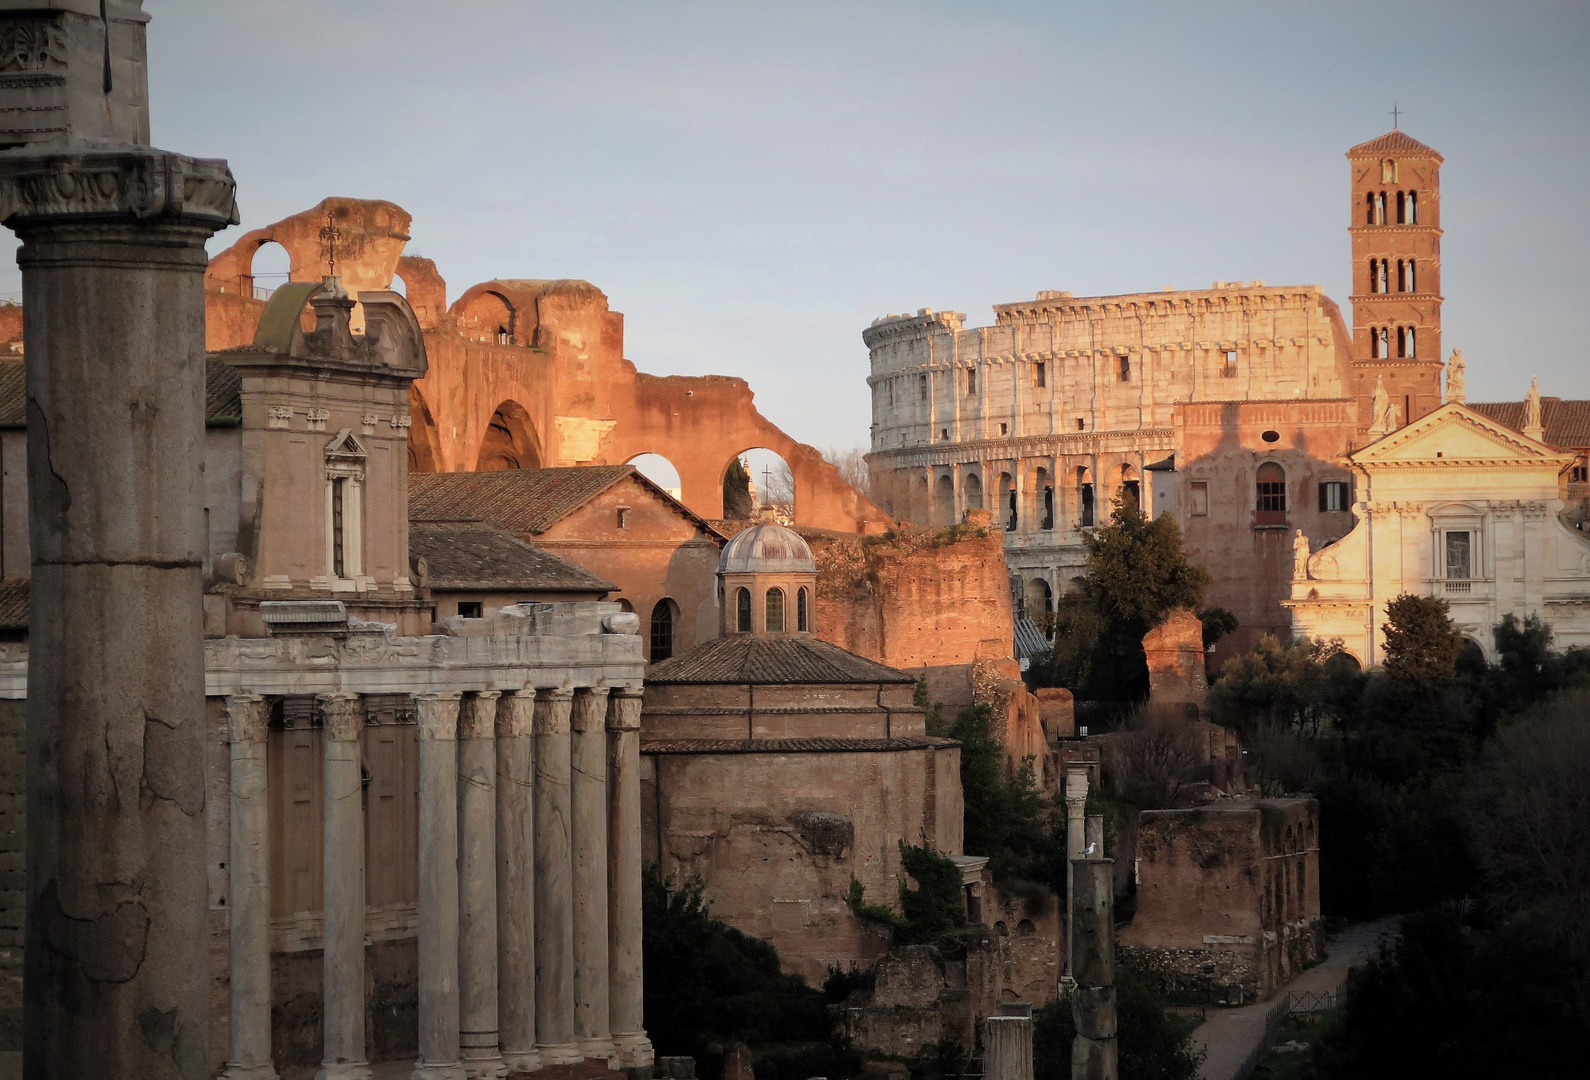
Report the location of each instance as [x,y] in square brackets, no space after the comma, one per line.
[1029,639]
[14,603]
[818,745]
[523,500]
[473,555]
[738,659]
[1566,423]
[222,403]
[1394,142]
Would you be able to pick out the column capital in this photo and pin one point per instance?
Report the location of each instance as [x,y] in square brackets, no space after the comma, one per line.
[552,711]
[342,714]
[623,708]
[247,717]
[133,183]
[590,709]
[438,714]
[516,715]
[477,718]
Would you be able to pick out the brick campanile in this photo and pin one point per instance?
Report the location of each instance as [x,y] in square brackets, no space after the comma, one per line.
[1395,226]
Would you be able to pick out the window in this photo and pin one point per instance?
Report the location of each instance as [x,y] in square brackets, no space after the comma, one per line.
[922,387]
[1228,364]
[503,336]
[1333,496]
[339,490]
[469,609]
[971,382]
[1042,375]
[1388,171]
[1270,436]
[742,610]
[1271,491]
[1380,208]
[1369,208]
[1131,493]
[1459,556]
[1004,429]
[802,617]
[1010,510]
[775,611]
[662,630]
[1199,498]
[1402,208]
[1048,508]
[1413,208]
[1126,369]
[944,433]
[1405,342]
[623,517]
[1580,473]
[1086,494]
[1082,425]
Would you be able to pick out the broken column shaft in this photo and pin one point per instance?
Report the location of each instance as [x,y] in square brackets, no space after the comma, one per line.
[1093,1051]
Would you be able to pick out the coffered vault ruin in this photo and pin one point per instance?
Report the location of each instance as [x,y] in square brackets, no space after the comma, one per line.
[527,373]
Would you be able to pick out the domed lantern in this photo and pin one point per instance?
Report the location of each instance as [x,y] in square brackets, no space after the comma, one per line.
[767,582]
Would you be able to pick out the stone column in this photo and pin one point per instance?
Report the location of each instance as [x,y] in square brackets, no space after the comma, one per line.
[248,893]
[516,940]
[1093,1051]
[588,840]
[342,881]
[554,892]
[477,886]
[1076,796]
[1007,1042]
[438,940]
[625,987]
[112,262]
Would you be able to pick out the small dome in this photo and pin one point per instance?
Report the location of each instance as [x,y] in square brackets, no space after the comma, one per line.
[766,549]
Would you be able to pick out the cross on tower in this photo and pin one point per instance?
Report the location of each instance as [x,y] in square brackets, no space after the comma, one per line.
[329,235]
[1396,114]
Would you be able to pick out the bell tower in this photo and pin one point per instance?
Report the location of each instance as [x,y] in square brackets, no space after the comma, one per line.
[1395,226]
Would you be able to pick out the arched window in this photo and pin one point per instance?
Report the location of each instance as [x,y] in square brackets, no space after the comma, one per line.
[1084,497]
[742,610]
[803,619]
[1413,208]
[1413,284]
[1402,276]
[972,491]
[1412,352]
[1402,208]
[1270,507]
[662,630]
[1369,208]
[1380,208]
[775,611]
[1048,508]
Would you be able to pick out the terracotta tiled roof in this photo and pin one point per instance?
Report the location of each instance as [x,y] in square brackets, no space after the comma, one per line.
[1393,142]
[472,555]
[1566,423]
[13,603]
[222,405]
[737,659]
[790,746]
[523,500]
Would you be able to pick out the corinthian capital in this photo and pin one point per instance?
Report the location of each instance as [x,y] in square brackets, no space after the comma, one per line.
[623,708]
[247,717]
[343,716]
[438,715]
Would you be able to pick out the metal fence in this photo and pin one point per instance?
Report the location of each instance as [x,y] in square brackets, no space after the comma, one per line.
[1305,1001]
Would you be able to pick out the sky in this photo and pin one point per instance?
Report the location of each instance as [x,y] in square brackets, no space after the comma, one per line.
[753,183]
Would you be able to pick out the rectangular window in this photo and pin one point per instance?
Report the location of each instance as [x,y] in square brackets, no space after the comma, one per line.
[971,382]
[1082,425]
[623,517]
[1333,496]
[338,556]
[1459,556]
[1004,429]
[1126,369]
[1580,473]
[1200,498]
[922,386]
[1272,497]
[1228,364]
[1042,375]
[469,609]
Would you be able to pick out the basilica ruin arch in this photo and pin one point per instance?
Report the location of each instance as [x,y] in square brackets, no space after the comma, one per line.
[510,442]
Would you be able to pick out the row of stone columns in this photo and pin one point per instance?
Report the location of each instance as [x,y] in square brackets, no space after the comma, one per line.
[529,884]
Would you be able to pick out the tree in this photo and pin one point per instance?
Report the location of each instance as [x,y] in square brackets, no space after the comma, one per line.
[737,492]
[1421,644]
[1287,684]
[1006,818]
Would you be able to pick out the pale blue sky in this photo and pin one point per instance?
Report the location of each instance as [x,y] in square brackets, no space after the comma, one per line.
[752,183]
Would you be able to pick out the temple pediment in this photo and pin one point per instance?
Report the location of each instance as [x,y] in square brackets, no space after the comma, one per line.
[1455,434]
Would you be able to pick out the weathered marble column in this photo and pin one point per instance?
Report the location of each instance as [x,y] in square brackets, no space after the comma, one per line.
[1093,1051]
[1076,796]
[477,887]
[342,882]
[624,982]
[248,893]
[588,838]
[1007,1044]
[112,262]
[438,907]
[516,938]
[554,899]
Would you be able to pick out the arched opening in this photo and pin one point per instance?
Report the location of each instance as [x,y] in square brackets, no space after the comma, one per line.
[1040,604]
[1369,208]
[424,446]
[1342,663]
[803,618]
[1402,208]
[1413,208]
[1471,659]
[510,441]
[774,610]
[921,501]
[660,471]
[742,610]
[1007,502]
[269,269]
[1270,505]
[757,480]
[487,316]
[944,500]
[1131,489]
[1413,284]
[972,491]
[1084,496]
[1042,497]
[664,617]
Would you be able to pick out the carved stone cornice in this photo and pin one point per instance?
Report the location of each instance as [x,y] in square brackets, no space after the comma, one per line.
[516,715]
[552,711]
[477,719]
[590,709]
[342,715]
[438,715]
[247,718]
[128,183]
[623,708]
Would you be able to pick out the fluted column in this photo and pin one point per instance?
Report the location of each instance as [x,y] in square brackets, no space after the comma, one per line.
[248,894]
[624,981]
[516,940]
[554,892]
[342,879]
[588,837]
[477,886]
[438,941]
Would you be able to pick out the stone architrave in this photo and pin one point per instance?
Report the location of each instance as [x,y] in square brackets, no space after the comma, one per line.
[248,893]
[516,942]
[625,981]
[112,262]
[477,887]
[438,901]
[588,841]
[342,880]
[1093,1051]
[554,891]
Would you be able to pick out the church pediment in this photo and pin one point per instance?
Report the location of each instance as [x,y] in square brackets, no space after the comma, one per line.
[1456,434]
[346,445]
